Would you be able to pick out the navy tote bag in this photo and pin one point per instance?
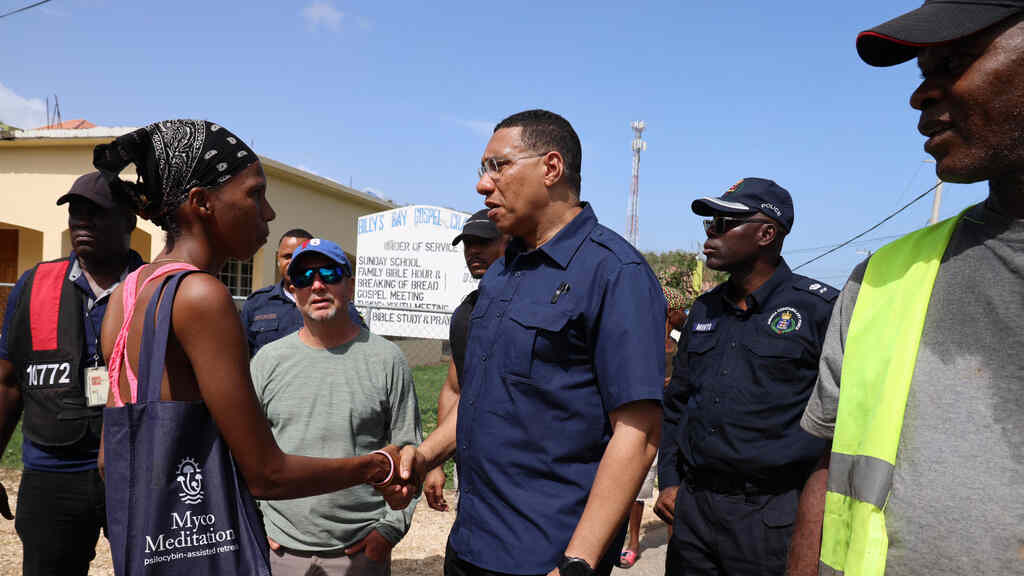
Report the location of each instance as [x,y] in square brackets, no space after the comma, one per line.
[176,502]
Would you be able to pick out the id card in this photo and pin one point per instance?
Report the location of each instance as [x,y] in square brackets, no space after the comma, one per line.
[97,385]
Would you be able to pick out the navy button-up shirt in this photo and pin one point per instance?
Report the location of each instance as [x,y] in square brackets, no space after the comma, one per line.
[560,336]
[269,314]
[741,381]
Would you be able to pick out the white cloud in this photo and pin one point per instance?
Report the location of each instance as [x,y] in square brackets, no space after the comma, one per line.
[323,14]
[482,128]
[24,113]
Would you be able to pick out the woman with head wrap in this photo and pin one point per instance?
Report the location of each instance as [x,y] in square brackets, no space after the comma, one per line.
[206,189]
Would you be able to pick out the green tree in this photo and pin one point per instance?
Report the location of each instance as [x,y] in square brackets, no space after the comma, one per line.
[683,271]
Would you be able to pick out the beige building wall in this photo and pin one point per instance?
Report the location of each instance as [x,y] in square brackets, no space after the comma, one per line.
[34,172]
[33,175]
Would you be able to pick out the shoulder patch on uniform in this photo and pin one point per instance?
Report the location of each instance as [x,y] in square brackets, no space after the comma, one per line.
[618,245]
[819,289]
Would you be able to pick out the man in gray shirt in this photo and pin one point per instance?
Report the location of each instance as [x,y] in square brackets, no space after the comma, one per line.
[954,505]
[333,389]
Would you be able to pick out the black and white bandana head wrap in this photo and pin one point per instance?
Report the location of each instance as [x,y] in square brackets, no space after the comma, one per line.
[171,158]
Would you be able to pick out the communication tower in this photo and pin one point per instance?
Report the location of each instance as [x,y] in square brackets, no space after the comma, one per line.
[632,219]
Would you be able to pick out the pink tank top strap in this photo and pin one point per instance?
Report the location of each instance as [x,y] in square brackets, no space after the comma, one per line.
[129,295]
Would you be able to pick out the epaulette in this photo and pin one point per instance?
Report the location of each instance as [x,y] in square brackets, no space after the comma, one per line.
[618,245]
[819,289]
[264,290]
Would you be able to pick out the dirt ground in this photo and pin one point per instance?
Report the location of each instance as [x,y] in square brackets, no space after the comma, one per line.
[421,552]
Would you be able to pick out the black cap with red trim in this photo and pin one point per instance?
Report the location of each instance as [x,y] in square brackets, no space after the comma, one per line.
[935,23]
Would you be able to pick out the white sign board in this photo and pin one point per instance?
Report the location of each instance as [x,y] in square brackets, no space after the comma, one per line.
[409,277]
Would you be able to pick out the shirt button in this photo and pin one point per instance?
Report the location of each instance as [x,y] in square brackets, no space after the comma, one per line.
[725,372]
[732,344]
[712,430]
[716,400]
[484,357]
[499,314]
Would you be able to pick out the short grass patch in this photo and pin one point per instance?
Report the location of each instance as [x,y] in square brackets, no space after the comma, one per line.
[12,454]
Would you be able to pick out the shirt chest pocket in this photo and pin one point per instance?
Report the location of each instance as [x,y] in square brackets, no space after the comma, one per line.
[700,357]
[777,362]
[537,333]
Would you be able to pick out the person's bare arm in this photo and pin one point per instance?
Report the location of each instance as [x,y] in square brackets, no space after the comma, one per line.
[448,400]
[417,460]
[805,547]
[207,326]
[10,412]
[636,432]
[447,403]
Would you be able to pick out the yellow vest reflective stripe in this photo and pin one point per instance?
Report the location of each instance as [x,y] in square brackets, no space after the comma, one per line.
[878,363]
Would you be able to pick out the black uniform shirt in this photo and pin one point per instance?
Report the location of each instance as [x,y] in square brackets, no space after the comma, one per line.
[458,332]
[741,380]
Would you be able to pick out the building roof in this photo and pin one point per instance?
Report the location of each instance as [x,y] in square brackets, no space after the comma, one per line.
[79,124]
[93,135]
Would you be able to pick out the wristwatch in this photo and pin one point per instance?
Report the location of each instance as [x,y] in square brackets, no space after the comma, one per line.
[572,566]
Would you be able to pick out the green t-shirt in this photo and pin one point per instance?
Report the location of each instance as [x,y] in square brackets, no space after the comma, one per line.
[336,403]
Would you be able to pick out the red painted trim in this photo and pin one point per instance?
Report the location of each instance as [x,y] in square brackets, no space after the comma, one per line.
[901,42]
[44,307]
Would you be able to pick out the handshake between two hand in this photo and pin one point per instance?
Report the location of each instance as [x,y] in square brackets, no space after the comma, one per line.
[406,481]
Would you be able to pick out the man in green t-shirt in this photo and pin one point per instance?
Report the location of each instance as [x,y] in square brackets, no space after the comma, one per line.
[333,389]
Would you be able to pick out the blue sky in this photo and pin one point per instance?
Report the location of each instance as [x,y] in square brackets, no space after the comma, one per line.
[400,97]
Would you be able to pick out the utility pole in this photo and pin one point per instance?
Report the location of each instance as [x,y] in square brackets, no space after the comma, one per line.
[632,218]
[936,203]
[937,199]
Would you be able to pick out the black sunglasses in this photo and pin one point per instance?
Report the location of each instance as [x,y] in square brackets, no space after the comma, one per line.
[722,224]
[328,275]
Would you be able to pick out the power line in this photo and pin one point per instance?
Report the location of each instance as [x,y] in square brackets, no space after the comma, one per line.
[13,12]
[859,242]
[884,220]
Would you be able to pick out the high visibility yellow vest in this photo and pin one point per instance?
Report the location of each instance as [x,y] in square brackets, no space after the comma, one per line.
[878,363]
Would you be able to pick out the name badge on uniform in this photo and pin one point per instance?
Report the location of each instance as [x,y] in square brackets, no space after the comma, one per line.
[97,385]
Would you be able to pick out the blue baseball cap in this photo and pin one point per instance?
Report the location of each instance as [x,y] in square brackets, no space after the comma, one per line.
[321,246]
[750,196]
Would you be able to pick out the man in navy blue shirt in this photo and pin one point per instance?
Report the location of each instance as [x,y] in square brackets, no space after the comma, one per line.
[559,416]
[52,372]
[746,365]
[270,313]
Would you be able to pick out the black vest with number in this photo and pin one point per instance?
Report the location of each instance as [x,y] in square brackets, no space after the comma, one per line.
[48,348]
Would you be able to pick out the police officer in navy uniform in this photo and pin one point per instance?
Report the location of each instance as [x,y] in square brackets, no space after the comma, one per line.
[733,457]
[52,374]
[270,313]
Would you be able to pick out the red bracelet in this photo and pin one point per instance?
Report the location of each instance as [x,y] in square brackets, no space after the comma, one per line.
[391,471]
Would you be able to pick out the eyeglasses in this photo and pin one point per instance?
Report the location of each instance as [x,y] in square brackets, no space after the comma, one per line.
[492,166]
[722,224]
[328,275]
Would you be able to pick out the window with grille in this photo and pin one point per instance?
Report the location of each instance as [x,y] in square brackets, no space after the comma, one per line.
[237,276]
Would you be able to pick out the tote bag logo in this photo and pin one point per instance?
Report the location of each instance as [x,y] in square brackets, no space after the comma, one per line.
[190,479]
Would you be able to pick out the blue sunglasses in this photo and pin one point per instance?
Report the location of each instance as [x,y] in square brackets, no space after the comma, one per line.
[328,275]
